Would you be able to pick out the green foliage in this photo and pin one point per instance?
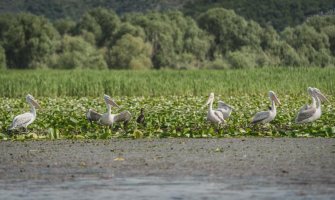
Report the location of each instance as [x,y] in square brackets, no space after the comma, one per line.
[101,22]
[131,53]
[326,25]
[311,45]
[2,58]
[279,14]
[241,59]
[127,28]
[28,41]
[231,32]
[65,26]
[219,39]
[171,35]
[285,55]
[74,52]
[166,116]
[218,63]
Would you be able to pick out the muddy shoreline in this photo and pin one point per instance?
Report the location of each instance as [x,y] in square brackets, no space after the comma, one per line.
[303,163]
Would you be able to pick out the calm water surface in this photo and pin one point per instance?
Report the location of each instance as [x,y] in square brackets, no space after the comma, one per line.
[150,188]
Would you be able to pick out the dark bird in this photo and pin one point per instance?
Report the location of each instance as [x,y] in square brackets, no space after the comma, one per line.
[141,118]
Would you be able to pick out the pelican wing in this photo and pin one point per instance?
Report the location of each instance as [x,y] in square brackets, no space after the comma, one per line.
[124,116]
[21,120]
[305,114]
[223,105]
[260,117]
[219,115]
[305,107]
[93,115]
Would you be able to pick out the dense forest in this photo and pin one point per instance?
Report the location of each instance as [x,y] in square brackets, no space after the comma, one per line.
[172,35]
[277,13]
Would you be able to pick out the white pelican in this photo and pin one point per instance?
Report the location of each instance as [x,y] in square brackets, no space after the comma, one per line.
[108,118]
[267,116]
[310,113]
[311,93]
[213,116]
[27,118]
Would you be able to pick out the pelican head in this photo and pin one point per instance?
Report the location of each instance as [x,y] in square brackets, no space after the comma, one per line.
[318,94]
[273,97]
[31,100]
[110,101]
[310,91]
[210,99]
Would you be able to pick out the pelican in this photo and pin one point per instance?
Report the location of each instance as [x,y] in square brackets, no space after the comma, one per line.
[311,93]
[214,116]
[267,116]
[25,119]
[310,113]
[108,119]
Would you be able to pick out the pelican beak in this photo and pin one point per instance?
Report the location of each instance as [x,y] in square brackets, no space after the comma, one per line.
[321,96]
[274,97]
[35,104]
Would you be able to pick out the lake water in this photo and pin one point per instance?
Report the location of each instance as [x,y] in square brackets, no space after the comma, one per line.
[150,188]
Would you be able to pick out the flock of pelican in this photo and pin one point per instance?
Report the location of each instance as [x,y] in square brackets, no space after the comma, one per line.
[306,114]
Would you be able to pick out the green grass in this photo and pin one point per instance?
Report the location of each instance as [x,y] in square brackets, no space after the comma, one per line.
[49,83]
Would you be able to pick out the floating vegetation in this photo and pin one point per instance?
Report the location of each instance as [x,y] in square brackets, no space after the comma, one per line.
[165,116]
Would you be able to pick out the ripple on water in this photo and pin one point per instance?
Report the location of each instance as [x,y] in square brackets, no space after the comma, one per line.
[149,188]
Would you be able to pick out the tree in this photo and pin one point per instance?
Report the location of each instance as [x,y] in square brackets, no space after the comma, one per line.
[75,53]
[231,32]
[64,26]
[312,46]
[326,25]
[130,53]
[330,32]
[127,28]
[173,37]
[29,41]
[2,58]
[102,23]
[279,14]
[6,21]
[160,34]
[193,43]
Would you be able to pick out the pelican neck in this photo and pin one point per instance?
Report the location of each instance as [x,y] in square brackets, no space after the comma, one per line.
[32,109]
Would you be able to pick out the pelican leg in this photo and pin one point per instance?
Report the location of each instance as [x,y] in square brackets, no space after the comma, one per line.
[25,129]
